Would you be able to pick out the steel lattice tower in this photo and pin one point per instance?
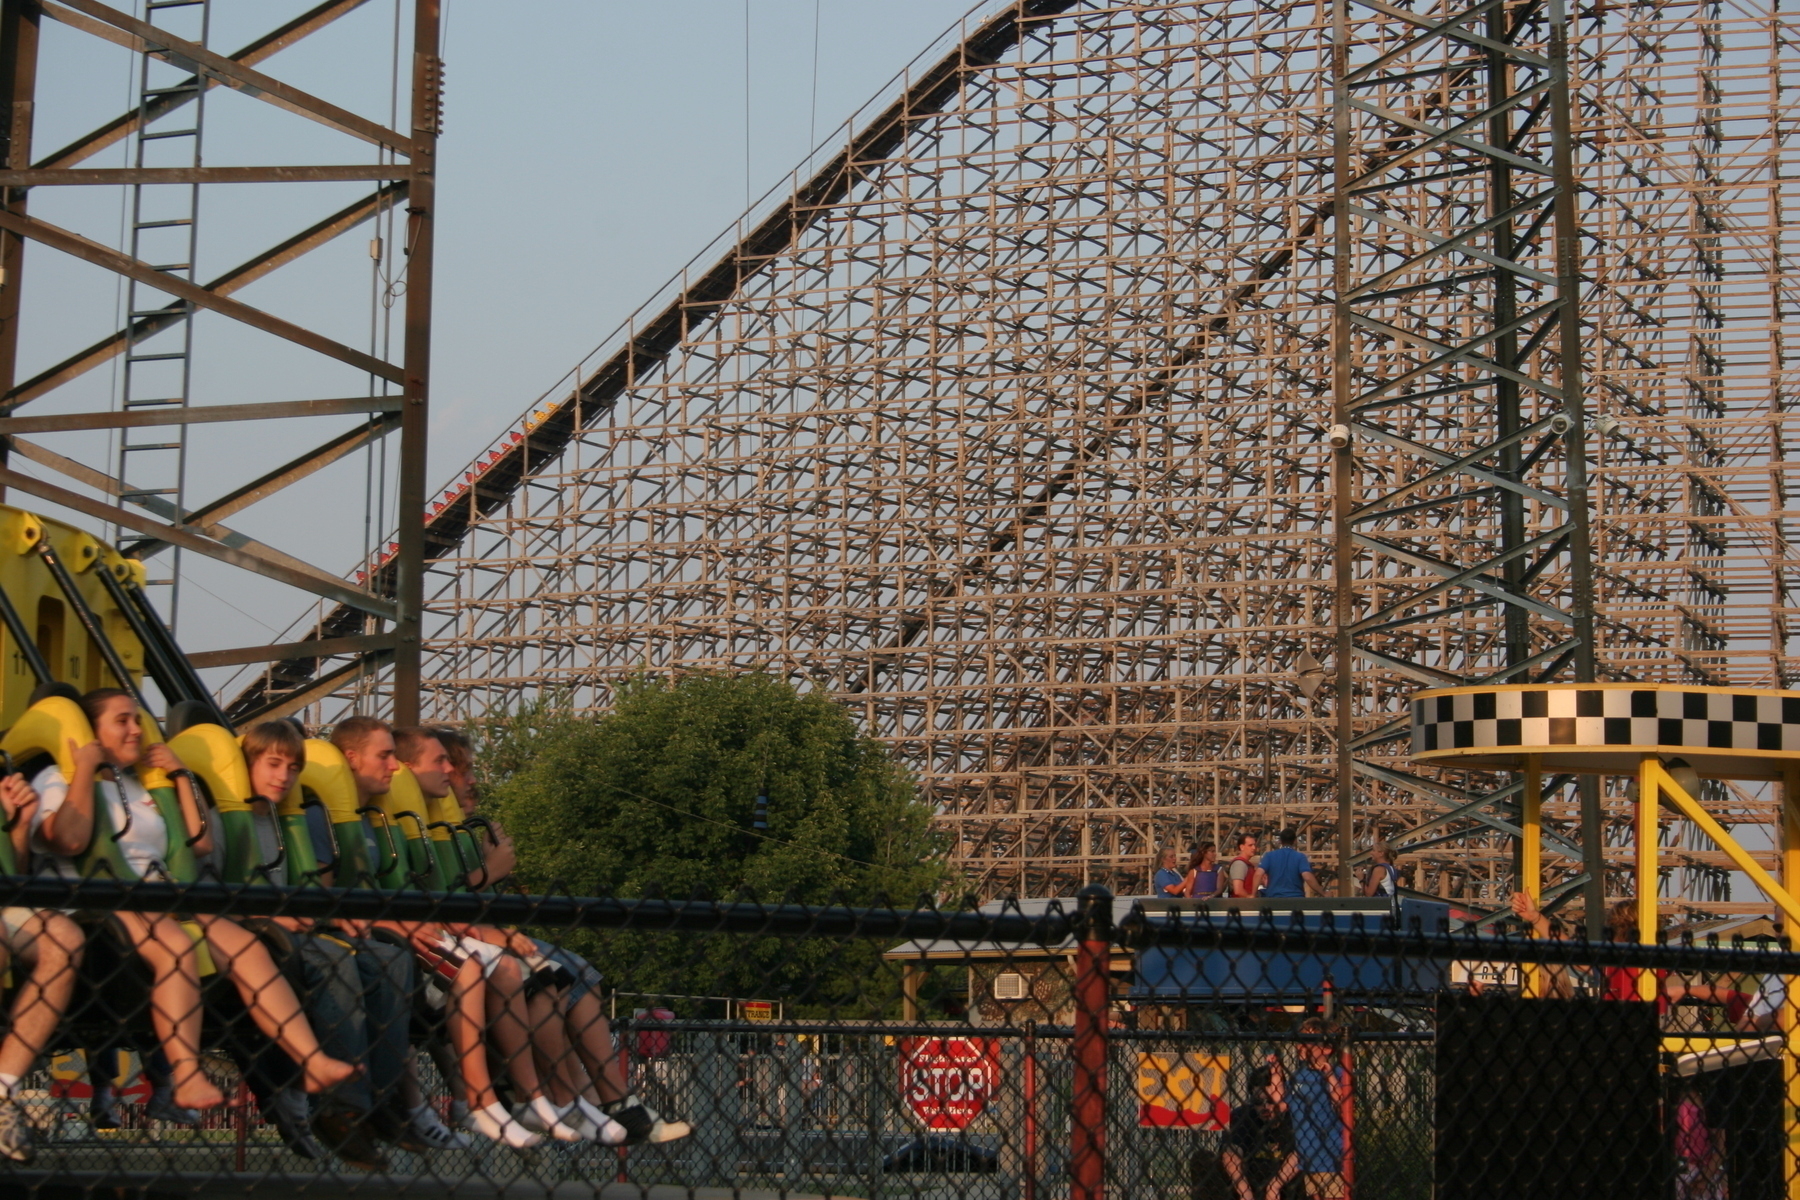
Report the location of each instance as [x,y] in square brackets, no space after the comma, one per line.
[1136,365]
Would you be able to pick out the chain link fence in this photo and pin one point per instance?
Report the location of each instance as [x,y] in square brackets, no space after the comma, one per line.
[1058,1051]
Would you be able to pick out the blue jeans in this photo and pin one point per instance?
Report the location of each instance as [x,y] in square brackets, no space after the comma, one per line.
[359,1003]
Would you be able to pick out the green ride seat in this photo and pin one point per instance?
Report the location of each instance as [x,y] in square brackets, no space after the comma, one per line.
[214,757]
[405,818]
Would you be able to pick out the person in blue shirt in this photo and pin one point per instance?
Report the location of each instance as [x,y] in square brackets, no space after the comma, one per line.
[1168,877]
[1289,872]
[1318,1093]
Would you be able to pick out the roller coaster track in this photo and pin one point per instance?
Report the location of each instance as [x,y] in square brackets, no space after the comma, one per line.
[500,477]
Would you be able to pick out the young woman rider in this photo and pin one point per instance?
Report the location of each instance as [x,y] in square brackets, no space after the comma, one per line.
[63,827]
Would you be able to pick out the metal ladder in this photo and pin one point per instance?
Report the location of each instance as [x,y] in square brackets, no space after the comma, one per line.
[158,366]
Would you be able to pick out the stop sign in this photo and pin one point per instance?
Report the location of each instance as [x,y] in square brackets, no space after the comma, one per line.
[947,1082]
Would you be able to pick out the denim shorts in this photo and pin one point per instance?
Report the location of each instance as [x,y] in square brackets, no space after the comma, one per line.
[586,978]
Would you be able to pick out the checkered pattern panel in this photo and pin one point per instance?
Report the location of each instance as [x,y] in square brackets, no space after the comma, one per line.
[1606,717]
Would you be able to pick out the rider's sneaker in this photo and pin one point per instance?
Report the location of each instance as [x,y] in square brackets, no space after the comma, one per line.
[496,1124]
[425,1125]
[289,1112]
[15,1132]
[103,1112]
[541,1116]
[594,1125]
[346,1131]
[162,1107]
[643,1123]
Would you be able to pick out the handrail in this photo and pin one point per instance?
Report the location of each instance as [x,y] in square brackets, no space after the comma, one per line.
[387,828]
[488,908]
[420,877]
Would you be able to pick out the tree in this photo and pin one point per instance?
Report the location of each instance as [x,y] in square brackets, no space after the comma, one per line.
[660,796]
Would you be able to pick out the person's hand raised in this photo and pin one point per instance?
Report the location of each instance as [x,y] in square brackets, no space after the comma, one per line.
[91,756]
[17,798]
[1525,908]
[160,757]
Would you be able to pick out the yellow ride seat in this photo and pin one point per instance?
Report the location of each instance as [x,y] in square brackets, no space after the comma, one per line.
[326,779]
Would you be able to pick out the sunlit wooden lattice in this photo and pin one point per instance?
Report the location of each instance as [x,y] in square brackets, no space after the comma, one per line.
[1019,448]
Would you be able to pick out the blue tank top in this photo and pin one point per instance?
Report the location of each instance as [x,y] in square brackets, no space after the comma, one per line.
[1206,883]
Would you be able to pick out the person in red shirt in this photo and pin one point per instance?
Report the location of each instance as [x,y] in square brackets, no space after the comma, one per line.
[1622,982]
[1245,877]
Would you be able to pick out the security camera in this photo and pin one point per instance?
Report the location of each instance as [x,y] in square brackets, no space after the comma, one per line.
[1339,436]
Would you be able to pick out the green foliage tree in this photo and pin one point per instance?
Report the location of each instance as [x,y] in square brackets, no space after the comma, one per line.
[659,797]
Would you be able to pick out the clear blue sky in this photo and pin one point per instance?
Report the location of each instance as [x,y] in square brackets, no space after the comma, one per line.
[591,148]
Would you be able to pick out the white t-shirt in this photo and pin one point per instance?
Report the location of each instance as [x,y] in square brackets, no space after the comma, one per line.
[144,844]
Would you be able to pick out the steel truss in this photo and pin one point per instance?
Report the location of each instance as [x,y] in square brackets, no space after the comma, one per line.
[1461,476]
[1012,426]
[146,497]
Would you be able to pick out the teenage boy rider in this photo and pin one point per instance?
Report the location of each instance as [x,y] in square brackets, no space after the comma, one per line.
[480,988]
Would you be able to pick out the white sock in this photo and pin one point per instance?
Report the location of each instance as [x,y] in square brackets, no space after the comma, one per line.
[550,1117]
[607,1131]
[496,1124]
[9,1084]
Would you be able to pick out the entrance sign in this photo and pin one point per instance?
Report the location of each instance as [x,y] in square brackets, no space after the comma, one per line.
[1183,1091]
[947,1082]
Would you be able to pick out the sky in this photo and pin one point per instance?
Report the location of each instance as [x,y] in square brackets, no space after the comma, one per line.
[591,148]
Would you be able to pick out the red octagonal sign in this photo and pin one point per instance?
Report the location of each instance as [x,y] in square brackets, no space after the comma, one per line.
[947,1082]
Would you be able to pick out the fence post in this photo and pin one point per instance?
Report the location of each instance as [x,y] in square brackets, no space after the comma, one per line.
[874,1110]
[1093,957]
[1031,1111]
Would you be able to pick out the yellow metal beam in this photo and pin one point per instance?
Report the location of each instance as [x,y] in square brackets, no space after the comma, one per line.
[1531,855]
[1649,877]
[1789,1017]
[1654,779]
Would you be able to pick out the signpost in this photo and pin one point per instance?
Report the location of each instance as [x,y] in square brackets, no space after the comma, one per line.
[948,1082]
[1183,1091]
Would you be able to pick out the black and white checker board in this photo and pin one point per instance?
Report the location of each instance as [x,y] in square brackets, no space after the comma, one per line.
[1665,718]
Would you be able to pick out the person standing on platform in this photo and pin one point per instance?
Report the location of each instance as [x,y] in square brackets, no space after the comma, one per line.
[1202,880]
[1289,872]
[1167,880]
[1246,877]
[1384,876]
